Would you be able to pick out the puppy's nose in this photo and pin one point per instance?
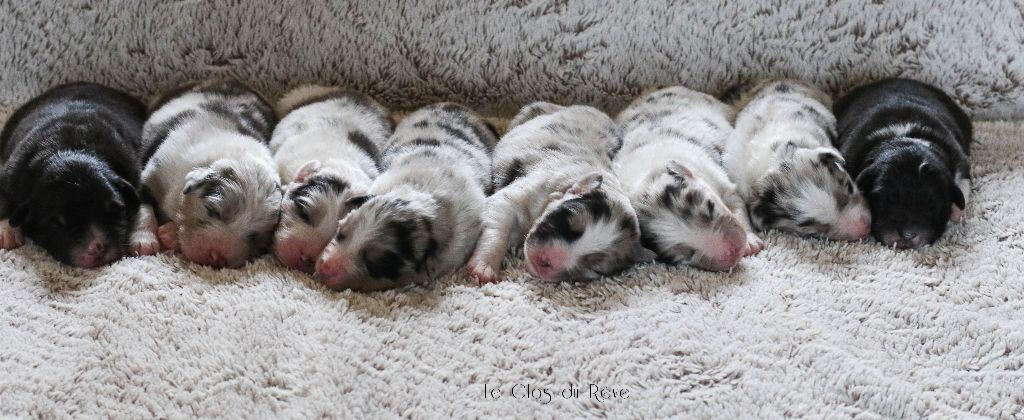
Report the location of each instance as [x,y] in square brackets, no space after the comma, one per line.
[217,259]
[907,239]
[96,248]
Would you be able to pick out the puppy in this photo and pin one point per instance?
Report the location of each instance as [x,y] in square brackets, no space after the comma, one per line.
[781,158]
[70,173]
[557,194]
[327,149]
[209,179]
[671,168]
[422,215]
[907,144]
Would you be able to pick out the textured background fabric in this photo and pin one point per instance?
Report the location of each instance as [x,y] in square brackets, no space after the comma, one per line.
[807,328]
[497,55]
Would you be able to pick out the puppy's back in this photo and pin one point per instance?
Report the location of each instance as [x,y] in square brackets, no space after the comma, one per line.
[899,101]
[78,101]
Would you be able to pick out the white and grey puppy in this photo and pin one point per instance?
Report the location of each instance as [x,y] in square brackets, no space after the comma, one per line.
[556,194]
[327,148]
[209,179]
[671,168]
[422,215]
[781,158]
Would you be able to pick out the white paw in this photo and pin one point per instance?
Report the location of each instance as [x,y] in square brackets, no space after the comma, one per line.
[144,242]
[10,236]
[483,272]
[754,245]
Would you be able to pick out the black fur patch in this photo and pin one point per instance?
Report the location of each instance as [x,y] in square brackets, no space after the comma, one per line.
[363,142]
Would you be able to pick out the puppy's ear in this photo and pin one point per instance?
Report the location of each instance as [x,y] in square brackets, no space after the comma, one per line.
[358,200]
[129,196]
[588,184]
[866,179]
[197,178]
[678,170]
[829,156]
[307,170]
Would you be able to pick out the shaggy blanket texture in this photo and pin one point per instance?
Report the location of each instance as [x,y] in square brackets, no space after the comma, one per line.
[497,55]
[806,328]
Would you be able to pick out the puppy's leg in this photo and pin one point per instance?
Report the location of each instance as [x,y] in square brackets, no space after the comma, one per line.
[144,240]
[167,234]
[964,184]
[735,203]
[502,217]
[10,236]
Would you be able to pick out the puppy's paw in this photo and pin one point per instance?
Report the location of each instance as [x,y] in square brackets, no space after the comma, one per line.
[483,272]
[957,215]
[168,235]
[144,242]
[10,236]
[754,245]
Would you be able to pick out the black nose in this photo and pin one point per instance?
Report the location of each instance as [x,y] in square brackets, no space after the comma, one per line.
[907,239]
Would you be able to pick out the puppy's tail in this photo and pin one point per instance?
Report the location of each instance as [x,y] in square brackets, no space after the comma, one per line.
[302,95]
[532,111]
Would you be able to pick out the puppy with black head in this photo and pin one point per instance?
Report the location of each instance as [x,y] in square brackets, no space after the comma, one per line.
[210,186]
[558,196]
[421,217]
[327,147]
[70,173]
[907,145]
[780,156]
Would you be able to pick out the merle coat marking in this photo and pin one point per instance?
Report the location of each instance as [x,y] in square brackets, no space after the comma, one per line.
[421,218]
[209,179]
[557,195]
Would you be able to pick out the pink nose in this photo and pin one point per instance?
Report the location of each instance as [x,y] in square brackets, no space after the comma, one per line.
[546,262]
[328,267]
[96,248]
[857,229]
[216,259]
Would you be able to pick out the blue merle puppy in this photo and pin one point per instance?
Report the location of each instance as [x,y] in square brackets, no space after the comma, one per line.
[671,167]
[210,185]
[327,148]
[421,217]
[781,158]
[558,196]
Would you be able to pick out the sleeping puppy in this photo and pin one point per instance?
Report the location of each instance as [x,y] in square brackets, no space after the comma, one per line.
[907,144]
[209,179]
[327,152]
[556,195]
[671,168]
[781,158]
[422,215]
[70,173]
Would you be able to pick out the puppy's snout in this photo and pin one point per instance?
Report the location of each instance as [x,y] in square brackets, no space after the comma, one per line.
[908,239]
[855,227]
[546,262]
[96,248]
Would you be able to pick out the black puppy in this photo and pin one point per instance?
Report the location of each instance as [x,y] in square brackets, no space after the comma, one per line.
[906,143]
[70,173]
